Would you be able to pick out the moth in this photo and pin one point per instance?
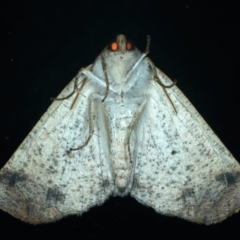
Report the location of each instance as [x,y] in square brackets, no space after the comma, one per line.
[121,126]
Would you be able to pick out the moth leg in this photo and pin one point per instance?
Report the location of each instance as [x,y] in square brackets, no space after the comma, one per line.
[92,119]
[157,79]
[76,89]
[170,100]
[78,92]
[133,124]
[104,66]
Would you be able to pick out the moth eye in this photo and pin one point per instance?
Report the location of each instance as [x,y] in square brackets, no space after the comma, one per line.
[114,46]
[129,46]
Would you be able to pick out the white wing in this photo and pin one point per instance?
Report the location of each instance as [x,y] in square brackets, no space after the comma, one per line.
[42,182]
[182,168]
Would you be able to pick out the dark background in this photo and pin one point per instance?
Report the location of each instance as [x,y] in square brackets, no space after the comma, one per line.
[43,44]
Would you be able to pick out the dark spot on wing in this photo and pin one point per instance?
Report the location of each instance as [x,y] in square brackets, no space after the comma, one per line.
[54,195]
[11,178]
[226,177]
[190,168]
[187,196]
[173,168]
[106,183]
[188,192]
[135,184]
[121,189]
[173,152]
[207,196]
[30,209]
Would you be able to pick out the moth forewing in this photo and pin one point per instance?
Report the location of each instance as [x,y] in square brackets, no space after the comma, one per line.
[42,182]
[192,175]
[216,142]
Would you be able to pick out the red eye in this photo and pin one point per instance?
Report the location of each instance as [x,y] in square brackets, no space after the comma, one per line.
[114,46]
[129,46]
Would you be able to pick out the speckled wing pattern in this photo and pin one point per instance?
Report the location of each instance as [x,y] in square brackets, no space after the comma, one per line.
[133,141]
[42,182]
[182,168]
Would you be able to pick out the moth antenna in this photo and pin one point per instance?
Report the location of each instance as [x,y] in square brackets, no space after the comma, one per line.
[104,66]
[148,44]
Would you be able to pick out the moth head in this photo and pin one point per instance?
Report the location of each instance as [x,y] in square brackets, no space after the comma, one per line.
[116,62]
[121,45]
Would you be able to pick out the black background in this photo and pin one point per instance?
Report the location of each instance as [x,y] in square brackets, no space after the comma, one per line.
[45,43]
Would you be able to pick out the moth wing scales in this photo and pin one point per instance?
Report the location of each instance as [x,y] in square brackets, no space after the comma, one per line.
[42,182]
[215,141]
[187,171]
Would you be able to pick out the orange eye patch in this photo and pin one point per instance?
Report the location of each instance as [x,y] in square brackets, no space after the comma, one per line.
[129,46]
[114,46]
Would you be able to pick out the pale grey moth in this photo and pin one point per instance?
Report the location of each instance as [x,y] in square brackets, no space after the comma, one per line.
[120,127]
